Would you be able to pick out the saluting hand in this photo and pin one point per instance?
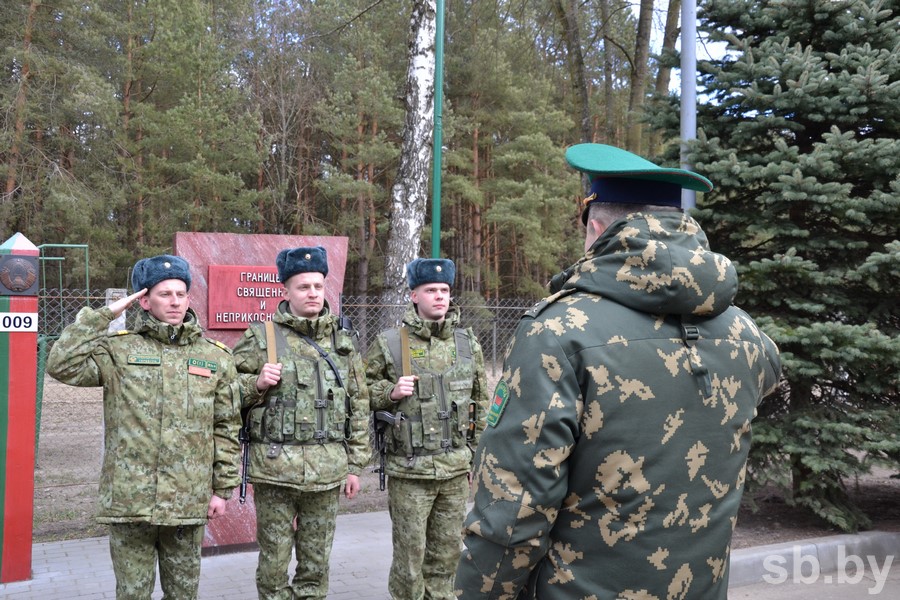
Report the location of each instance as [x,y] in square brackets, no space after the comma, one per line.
[269,375]
[119,306]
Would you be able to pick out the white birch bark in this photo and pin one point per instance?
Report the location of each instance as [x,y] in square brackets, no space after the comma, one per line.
[410,192]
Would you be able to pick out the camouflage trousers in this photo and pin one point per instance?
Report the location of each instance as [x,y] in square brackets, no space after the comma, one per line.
[426,525]
[316,514]
[135,548]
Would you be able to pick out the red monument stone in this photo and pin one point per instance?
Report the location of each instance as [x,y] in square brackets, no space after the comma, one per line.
[234,282]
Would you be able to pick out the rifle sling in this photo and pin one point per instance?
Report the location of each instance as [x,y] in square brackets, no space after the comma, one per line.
[323,354]
[337,375]
[271,353]
[405,360]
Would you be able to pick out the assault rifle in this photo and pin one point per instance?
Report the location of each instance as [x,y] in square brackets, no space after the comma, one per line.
[244,438]
[383,420]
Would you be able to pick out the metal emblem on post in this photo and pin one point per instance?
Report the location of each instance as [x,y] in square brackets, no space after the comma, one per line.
[19,275]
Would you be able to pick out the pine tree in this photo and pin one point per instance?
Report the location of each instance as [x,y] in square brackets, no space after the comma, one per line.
[196,140]
[56,148]
[359,118]
[800,132]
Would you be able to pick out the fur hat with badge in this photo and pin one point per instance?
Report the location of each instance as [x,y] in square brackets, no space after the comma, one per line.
[147,272]
[291,261]
[430,270]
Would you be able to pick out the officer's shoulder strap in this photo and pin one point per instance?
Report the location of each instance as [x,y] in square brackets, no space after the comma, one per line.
[538,307]
[218,344]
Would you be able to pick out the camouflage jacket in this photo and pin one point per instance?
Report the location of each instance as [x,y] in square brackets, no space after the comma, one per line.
[307,466]
[433,352]
[171,414]
[614,458]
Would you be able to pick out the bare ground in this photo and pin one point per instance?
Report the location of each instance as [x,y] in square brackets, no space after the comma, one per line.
[70,447]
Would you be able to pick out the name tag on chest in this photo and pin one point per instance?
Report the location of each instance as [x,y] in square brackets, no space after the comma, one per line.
[144,359]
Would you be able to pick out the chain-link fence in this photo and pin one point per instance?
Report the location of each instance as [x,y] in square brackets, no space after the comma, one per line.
[493,322]
[58,308]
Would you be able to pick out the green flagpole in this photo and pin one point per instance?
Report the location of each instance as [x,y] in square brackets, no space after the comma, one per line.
[438,131]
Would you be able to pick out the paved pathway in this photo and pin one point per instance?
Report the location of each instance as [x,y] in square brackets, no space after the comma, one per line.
[360,559]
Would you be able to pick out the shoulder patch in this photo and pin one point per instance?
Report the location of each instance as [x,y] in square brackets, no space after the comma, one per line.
[498,404]
[219,344]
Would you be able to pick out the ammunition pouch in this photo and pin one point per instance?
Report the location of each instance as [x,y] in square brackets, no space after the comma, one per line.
[440,414]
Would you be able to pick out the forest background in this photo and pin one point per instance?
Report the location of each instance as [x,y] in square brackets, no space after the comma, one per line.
[125,122]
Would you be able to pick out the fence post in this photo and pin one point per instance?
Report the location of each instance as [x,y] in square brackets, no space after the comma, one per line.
[18,383]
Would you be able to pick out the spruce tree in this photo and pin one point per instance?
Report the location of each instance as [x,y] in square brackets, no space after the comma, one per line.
[800,132]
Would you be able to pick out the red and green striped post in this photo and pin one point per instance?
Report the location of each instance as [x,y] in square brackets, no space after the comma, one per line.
[18,388]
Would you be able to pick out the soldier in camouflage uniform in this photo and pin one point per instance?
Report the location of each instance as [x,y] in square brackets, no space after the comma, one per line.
[171,413]
[308,415]
[614,458]
[439,409]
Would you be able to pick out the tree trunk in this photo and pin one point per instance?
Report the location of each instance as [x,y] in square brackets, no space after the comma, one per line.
[261,205]
[362,261]
[410,192]
[640,72]
[131,90]
[496,251]
[670,35]
[371,222]
[299,209]
[477,254]
[567,16]
[608,98]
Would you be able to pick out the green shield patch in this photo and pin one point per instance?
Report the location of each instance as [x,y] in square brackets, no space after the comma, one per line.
[501,396]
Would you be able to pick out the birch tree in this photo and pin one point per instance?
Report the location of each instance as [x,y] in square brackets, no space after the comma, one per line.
[409,193]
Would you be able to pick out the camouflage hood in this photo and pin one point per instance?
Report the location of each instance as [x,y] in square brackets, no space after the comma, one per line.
[426,329]
[179,335]
[639,263]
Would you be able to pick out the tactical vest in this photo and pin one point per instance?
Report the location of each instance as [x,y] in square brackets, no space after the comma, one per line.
[310,404]
[440,415]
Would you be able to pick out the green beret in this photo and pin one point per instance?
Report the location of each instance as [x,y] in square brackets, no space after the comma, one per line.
[291,261]
[618,176]
[148,272]
[430,270]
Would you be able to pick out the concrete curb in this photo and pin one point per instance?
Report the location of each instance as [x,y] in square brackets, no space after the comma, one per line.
[748,565]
